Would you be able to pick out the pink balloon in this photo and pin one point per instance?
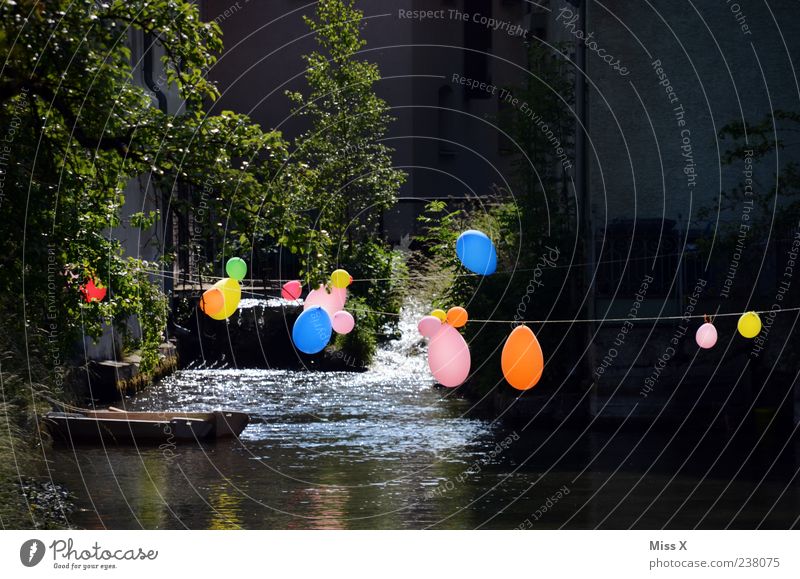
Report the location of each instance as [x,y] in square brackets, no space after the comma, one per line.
[291,290]
[343,322]
[330,302]
[706,336]
[429,325]
[448,357]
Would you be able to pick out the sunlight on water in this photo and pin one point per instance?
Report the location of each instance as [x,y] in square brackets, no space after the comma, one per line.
[387,412]
[377,449]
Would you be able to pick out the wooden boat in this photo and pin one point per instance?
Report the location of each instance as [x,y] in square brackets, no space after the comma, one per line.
[120,426]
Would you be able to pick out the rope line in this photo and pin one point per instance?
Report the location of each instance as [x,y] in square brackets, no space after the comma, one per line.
[601,320]
[192,277]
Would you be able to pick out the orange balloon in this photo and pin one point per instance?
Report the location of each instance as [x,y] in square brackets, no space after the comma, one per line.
[457,316]
[212,301]
[522,360]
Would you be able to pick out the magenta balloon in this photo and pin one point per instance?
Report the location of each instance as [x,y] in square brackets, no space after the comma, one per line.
[330,302]
[448,356]
[343,322]
[429,325]
[291,290]
[706,336]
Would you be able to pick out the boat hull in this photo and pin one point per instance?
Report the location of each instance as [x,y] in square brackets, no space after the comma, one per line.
[115,426]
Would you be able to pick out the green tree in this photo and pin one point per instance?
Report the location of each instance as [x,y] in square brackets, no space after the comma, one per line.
[355,181]
[80,130]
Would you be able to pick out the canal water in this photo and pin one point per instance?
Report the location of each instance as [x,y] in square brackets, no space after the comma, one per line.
[385,449]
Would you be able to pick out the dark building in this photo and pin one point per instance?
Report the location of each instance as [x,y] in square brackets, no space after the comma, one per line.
[656,82]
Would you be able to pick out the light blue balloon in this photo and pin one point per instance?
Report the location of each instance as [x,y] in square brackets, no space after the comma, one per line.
[476,252]
[312,330]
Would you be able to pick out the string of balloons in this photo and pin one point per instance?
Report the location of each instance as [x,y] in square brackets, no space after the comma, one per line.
[522,359]
[199,278]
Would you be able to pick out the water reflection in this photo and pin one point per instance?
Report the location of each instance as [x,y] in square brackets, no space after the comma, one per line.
[383,449]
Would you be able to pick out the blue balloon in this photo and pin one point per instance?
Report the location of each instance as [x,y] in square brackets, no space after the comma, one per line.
[312,330]
[476,252]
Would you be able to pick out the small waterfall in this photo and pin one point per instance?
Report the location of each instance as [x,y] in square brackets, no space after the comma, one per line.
[405,357]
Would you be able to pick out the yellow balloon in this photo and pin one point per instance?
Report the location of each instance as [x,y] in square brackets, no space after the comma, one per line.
[340,278]
[441,314]
[231,293]
[749,325]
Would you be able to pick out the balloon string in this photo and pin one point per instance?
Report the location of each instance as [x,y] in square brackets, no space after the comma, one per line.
[199,277]
[602,320]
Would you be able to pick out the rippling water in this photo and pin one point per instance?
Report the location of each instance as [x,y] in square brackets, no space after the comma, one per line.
[384,449]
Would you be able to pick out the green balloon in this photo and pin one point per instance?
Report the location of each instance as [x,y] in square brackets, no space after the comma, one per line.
[236,268]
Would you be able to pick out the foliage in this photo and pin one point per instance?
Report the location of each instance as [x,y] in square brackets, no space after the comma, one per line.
[385,271]
[354,182]
[539,166]
[772,211]
[23,377]
[354,178]
[359,345]
[79,131]
[764,139]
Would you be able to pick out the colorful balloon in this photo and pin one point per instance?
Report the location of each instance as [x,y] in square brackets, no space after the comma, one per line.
[92,292]
[312,330]
[429,325]
[440,314]
[706,336]
[749,325]
[476,252]
[231,294]
[522,359]
[236,268]
[448,357]
[291,290]
[343,322]
[341,279]
[331,302]
[212,301]
[457,317]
